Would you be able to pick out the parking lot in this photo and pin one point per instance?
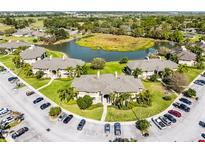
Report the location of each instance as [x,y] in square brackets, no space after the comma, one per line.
[186,128]
[42,128]
[38,121]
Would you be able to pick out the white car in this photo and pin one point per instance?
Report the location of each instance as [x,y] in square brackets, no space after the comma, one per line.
[158,122]
[7,120]
[4,111]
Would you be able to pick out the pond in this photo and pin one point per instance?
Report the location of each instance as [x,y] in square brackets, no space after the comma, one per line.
[87,54]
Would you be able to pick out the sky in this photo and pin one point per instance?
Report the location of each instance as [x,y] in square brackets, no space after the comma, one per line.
[102,5]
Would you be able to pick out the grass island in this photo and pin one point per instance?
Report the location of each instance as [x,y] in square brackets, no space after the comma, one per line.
[121,43]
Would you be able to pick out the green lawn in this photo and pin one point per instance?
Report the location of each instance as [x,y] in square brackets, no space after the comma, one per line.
[22,38]
[95,111]
[110,67]
[2,140]
[120,43]
[192,73]
[7,60]
[158,105]
[4,28]
[37,25]
[55,54]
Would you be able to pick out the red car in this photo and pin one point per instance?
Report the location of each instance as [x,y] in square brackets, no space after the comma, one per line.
[175,113]
[201,140]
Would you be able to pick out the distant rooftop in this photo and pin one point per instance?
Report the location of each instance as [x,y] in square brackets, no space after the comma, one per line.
[14,44]
[57,63]
[152,65]
[32,52]
[184,54]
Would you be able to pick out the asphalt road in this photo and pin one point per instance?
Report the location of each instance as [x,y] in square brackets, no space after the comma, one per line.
[186,128]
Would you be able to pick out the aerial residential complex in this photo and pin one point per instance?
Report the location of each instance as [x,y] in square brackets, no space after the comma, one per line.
[102,76]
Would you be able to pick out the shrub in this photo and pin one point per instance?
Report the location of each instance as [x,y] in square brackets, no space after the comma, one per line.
[54,111]
[98,63]
[35,40]
[39,74]
[190,93]
[84,102]
[153,77]
[142,125]
[123,60]
[167,98]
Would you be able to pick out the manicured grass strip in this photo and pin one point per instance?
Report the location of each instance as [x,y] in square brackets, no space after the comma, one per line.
[110,67]
[158,105]
[94,112]
[36,83]
[192,73]
[120,43]
[54,54]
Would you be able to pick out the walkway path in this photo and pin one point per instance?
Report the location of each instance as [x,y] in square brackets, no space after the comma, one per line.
[104,112]
[46,85]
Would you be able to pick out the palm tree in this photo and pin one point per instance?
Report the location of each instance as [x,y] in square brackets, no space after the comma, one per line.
[70,71]
[67,94]
[137,72]
[113,97]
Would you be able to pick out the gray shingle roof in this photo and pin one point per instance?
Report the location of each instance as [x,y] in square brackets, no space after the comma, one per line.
[14,44]
[24,31]
[184,54]
[57,63]
[32,53]
[107,84]
[152,65]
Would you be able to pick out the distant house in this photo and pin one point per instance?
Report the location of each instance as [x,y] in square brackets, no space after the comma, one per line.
[56,67]
[100,87]
[71,31]
[33,54]
[185,56]
[150,66]
[11,46]
[23,32]
[201,44]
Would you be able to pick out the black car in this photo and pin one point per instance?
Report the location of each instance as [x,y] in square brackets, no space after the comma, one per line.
[37,100]
[117,128]
[198,83]
[165,120]
[67,119]
[19,132]
[202,81]
[203,135]
[81,124]
[45,105]
[107,128]
[12,78]
[182,107]
[170,117]
[202,124]
[186,101]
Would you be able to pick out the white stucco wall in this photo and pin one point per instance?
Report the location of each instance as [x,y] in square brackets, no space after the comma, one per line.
[188,63]
[96,96]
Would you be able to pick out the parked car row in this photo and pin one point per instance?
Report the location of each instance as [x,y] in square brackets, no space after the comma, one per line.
[171,117]
[8,117]
[117,128]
